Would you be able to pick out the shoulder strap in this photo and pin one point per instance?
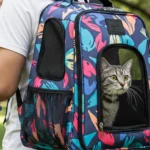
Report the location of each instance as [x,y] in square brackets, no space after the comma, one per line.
[18,96]
[19,103]
[6,111]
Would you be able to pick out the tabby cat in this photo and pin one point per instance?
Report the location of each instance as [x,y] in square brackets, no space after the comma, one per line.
[116,80]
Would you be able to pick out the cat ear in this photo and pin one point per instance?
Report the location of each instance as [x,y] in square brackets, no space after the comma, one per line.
[128,64]
[104,64]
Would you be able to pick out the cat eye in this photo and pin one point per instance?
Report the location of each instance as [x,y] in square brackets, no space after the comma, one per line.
[126,77]
[114,77]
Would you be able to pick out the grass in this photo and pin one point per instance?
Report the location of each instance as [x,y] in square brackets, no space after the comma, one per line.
[2,115]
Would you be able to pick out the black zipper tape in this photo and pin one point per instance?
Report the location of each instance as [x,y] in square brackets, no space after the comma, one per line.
[126,128]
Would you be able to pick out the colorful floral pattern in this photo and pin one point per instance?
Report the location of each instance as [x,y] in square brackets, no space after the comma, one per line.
[94,36]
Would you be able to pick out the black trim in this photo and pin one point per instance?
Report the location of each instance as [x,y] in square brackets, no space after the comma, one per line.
[106,3]
[6,111]
[19,99]
[49,91]
[134,128]
[145,83]
[19,103]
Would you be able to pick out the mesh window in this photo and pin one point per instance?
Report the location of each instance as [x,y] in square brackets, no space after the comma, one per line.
[123,84]
[51,63]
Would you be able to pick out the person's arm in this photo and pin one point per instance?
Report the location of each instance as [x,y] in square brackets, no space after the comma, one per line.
[1,1]
[16,35]
[11,66]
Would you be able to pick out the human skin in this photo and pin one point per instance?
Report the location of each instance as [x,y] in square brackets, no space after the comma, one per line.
[10,75]
[1,1]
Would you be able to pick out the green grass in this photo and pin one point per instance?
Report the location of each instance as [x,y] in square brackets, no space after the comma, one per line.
[2,130]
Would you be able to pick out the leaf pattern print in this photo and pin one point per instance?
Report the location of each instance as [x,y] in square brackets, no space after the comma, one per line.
[49,85]
[147,135]
[64,14]
[114,39]
[88,22]
[34,131]
[54,7]
[87,40]
[143,45]
[40,30]
[99,42]
[37,82]
[40,104]
[34,63]
[88,69]
[93,119]
[143,31]
[66,80]
[71,30]
[98,19]
[106,138]
[69,59]
[126,39]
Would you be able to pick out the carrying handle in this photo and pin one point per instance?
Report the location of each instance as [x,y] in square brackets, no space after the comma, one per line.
[106,3]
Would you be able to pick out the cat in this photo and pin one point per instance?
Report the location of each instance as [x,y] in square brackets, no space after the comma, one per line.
[116,80]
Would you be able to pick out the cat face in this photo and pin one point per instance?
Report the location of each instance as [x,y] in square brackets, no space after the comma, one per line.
[116,79]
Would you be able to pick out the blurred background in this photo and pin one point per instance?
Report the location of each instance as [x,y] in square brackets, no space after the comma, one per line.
[139,7]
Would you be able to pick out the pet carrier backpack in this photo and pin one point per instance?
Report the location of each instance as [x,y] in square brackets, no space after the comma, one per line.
[88,86]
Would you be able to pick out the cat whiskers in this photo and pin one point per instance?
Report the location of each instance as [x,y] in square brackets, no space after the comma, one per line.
[133,95]
[131,98]
[137,88]
[136,93]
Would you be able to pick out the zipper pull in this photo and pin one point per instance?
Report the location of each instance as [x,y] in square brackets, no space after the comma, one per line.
[101,126]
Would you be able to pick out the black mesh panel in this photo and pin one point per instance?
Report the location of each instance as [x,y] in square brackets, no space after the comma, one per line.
[51,63]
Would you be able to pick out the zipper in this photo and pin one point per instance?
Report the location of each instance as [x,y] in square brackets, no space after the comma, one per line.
[79,70]
[101,126]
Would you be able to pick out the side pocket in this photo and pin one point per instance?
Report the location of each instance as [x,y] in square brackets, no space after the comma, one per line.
[26,116]
[45,119]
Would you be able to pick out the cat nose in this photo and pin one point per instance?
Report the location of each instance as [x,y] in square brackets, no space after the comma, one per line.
[122,84]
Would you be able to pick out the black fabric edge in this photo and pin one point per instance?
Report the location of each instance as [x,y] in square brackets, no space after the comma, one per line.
[69,92]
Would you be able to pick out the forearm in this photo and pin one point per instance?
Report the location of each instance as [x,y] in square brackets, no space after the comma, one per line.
[11,66]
